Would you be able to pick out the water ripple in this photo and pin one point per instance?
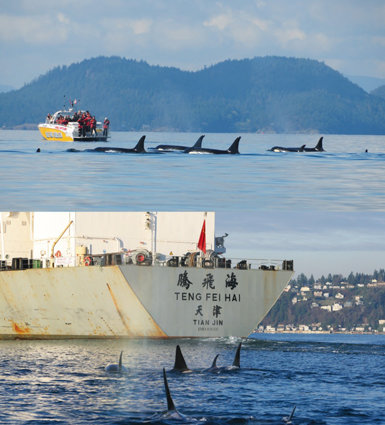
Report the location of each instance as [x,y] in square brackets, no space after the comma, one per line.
[332,381]
[345,178]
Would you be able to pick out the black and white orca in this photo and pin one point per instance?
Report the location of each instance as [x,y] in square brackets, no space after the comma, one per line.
[236,363]
[284,149]
[180,363]
[213,368]
[139,148]
[288,419]
[317,148]
[171,148]
[171,412]
[116,368]
[233,149]
[237,359]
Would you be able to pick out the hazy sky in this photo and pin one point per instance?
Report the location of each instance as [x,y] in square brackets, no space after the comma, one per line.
[37,35]
[318,242]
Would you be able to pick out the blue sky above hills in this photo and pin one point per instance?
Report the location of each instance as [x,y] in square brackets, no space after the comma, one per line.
[35,36]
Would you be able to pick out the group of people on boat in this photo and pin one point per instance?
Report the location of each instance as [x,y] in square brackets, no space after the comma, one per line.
[86,122]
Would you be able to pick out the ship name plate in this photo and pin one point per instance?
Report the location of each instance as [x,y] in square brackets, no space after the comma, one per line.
[209,315]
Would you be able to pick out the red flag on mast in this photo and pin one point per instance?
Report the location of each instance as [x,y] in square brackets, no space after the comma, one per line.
[202,238]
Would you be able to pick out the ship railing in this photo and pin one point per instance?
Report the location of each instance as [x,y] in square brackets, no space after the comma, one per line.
[266,263]
[227,263]
[144,258]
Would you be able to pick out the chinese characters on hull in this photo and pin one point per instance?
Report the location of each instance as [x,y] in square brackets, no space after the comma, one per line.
[203,311]
[208,281]
[184,281]
[231,281]
[217,310]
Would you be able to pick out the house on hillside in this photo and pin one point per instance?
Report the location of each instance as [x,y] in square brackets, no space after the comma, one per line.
[326,307]
[337,307]
[304,290]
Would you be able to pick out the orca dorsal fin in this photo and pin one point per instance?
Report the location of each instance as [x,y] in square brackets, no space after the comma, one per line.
[237,358]
[180,363]
[319,146]
[214,365]
[302,148]
[234,148]
[292,413]
[140,145]
[170,402]
[120,360]
[198,143]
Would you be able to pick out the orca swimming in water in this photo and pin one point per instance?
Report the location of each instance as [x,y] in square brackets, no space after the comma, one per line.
[180,363]
[213,367]
[139,148]
[170,148]
[283,149]
[237,359]
[236,363]
[233,149]
[171,412]
[317,148]
[287,419]
[181,366]
[116,368]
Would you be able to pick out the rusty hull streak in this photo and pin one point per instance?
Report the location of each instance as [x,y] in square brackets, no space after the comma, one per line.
[118,309]
[159,332]
[21,330]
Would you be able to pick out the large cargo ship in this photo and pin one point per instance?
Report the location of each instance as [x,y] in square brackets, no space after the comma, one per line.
[140,292]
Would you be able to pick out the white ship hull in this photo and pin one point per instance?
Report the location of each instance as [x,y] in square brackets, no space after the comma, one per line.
[136,301]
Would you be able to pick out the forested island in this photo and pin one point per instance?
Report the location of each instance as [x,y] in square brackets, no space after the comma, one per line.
[263,94]
[355,303]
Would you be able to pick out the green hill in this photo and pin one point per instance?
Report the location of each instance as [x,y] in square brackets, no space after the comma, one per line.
[379,91]
[332,302]
[261,94]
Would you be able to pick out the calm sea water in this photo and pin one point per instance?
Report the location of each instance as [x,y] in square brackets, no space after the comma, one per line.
[332,379]
[344,178]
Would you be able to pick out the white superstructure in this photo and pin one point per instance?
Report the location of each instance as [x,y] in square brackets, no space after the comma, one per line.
[33,234]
